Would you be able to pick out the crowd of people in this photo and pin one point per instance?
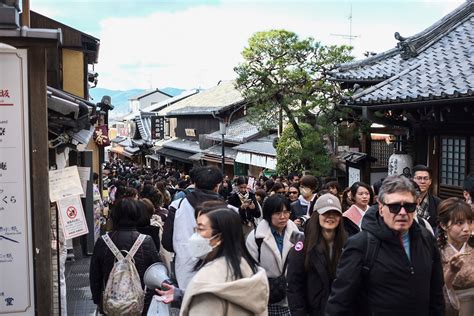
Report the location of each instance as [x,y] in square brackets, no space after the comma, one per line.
[292,245]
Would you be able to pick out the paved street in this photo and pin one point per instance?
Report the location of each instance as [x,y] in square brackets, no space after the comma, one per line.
[79,297]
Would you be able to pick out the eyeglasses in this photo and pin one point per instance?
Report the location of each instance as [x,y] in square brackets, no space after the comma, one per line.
[396,207]
[285,213]
[293,192]
[421,178]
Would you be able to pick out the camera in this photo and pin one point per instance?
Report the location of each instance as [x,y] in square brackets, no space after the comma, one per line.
[303,219]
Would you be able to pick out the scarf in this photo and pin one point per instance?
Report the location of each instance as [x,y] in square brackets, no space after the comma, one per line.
[243,197]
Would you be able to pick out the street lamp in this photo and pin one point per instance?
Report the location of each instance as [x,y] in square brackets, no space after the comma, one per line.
[222,129]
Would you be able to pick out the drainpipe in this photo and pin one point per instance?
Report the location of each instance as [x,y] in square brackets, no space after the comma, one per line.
[25,17]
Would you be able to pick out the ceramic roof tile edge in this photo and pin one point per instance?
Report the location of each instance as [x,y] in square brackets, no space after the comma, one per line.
[216,135]
[198,101]
[383,83]
[418,99]
[421,39]
[430,35]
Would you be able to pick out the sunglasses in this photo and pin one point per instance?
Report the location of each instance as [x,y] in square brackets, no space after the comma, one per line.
[293,192]
[396,207]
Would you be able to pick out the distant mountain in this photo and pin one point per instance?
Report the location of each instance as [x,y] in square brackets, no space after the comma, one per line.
[172,91]
[120,98]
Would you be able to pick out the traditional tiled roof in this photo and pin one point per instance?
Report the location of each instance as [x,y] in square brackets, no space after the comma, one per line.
[238,132]
[216,99]
[216,150]
[437,63]
[183,145]
[262,146]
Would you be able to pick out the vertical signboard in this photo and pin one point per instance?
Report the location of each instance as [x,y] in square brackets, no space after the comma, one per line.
[157,127]
[16,253]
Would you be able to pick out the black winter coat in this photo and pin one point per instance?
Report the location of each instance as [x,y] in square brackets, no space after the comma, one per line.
[395,285]
[308,291]
[433,202]
[297,209]
[246,214]
[102,261]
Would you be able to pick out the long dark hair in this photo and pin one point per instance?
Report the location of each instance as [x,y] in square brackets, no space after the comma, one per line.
[227,224]
[125,213]
[314,238]
[452,210]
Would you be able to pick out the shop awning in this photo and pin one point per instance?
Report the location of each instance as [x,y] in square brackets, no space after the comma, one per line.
[256,160]
[121,151]
[183,156]
[153,157]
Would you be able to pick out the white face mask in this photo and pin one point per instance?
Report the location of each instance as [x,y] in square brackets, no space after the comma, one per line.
[199,247]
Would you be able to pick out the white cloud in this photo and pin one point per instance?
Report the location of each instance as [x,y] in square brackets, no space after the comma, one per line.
[199,46]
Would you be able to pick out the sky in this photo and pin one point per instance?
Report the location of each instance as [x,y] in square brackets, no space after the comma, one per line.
[196,43]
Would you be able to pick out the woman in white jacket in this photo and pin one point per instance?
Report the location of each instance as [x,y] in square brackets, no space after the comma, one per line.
[269,244]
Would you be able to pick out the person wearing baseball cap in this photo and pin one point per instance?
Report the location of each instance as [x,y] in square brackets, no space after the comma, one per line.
[312,262]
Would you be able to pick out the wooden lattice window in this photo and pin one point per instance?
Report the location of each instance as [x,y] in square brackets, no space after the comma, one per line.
[453,160]
[382,152]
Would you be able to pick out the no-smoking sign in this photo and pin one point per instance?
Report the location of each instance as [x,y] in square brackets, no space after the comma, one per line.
[71,212]
[72,217]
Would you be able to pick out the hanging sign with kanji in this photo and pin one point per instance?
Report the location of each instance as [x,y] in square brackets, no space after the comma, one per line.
[101,136]
[16,247]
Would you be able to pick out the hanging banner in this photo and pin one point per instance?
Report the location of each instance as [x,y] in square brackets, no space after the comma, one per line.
[72,217]
[16,251]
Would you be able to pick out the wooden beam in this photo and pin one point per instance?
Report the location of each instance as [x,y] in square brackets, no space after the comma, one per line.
[41,215]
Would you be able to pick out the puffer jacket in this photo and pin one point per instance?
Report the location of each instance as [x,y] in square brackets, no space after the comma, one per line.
[395,285]
[308,291]
[102,261]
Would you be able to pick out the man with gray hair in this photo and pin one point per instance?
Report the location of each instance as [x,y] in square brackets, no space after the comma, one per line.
[391,267]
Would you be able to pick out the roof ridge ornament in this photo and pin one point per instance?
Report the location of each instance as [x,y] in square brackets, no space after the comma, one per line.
[407,49]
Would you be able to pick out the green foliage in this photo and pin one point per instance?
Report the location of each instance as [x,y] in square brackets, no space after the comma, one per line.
[282,72]
[308,154]
[289,152]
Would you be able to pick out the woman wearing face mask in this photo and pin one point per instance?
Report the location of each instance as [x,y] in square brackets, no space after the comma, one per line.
[226,270]
[303,206]
[269,245]
[456,245]
[361,195]
[312,263]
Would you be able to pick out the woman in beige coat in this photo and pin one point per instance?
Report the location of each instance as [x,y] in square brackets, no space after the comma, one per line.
[228,281]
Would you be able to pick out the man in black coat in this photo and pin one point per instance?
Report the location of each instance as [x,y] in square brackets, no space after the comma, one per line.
[428,208]
[404,276]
